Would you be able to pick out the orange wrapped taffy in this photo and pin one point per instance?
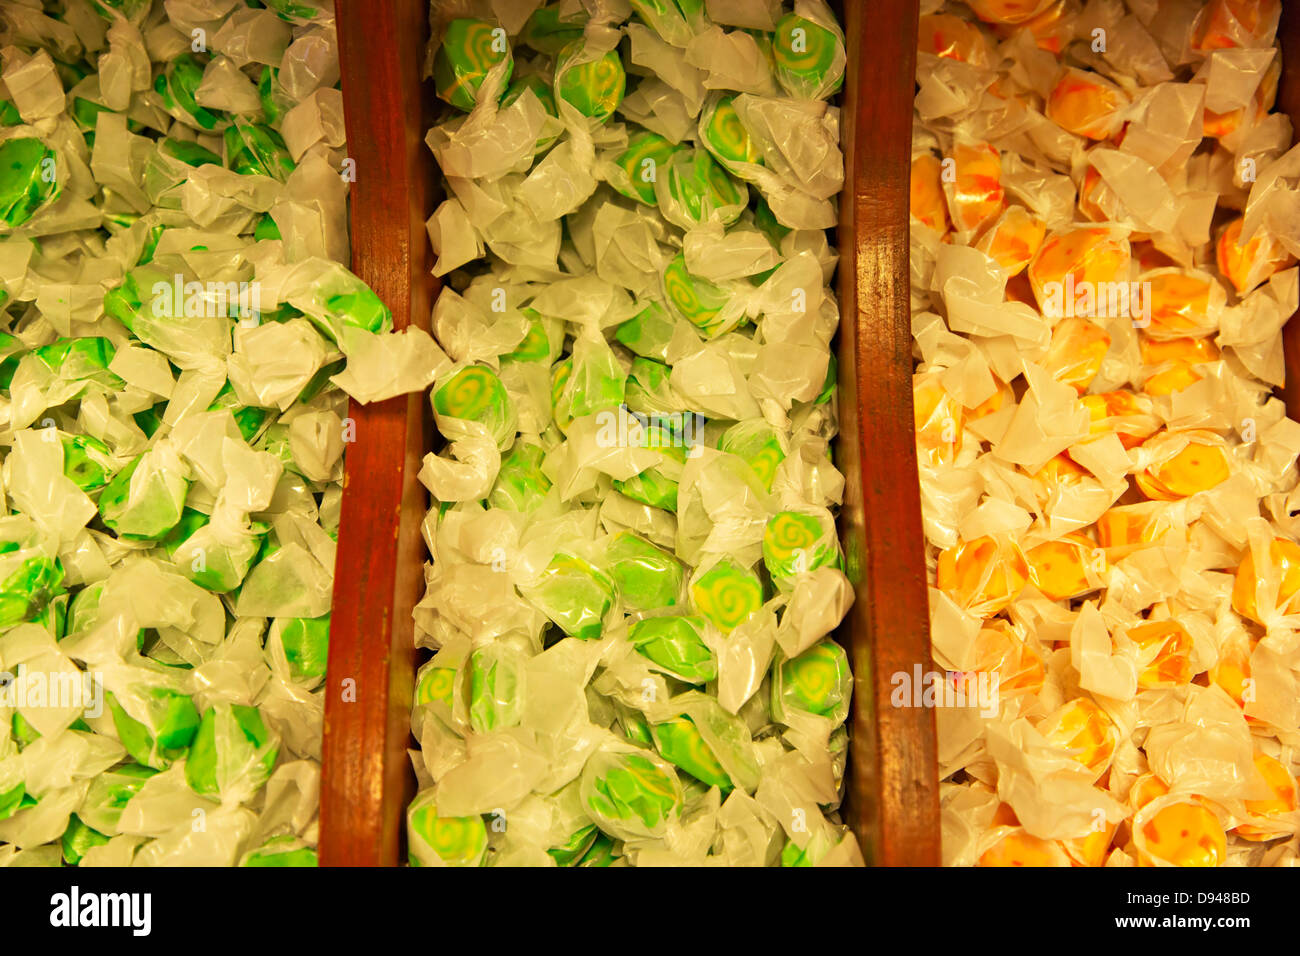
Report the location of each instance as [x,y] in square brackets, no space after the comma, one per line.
[1014,240]
[1231,671]
[1249,265]
[1183,833]
[1076,269]
[1091,849]
[975,194]
[1173,363]
[1283,802]
[1021,848]
[938,420]
[1126,528]
[1219,125]
[983,575]
[1183,302]
[1000,650]
[1087,104]
[1000,397]
[1225,24]
[1067,567]
[927,200]
[1129,415]
[1052,29]
[1185,463]
[1278,583]
[1085,730]
[1145,789]
[1008,11]
[1165,652]
[952,38]
[1077,350]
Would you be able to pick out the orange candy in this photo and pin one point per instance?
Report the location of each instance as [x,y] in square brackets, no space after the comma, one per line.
[1183,302]
[1091,850]
[1060,568]
[1021,848]
[1232,669]
[1086,104]
[1165,648]
[992,403]
[952,37]
[1071,268]
[1052,29]
[1013,240]
[1225,24]
[1284,556]
[1000,650]
[1249,265]
[1083,728]
[1186,834]
[1124,529]
[1145,789]
[1201,465]
[1076,353]
[1061,469]
[1127,414]
[938,421]
[927,202]
[983,575]
[1008,11]
[976,197]
[1283,800]
[1174,361]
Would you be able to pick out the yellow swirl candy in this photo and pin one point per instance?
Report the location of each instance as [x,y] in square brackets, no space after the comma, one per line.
[697,300]
[816,680]
[471,394]
[727,594]
[805,56]
[727,138]
[792,543]
[457,841]
[437,683]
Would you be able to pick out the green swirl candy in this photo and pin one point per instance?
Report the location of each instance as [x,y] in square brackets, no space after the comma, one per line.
[694,189]
[27,591]
[306,643]
[809,58]
[795,542]
[546,33]
[727,594]
[575,595]
[648,332]
[725,136]
[697,300]
[758,445]
[495,698]
[646,154]
[575,847]
[436,683]
[651,487]
[649,390]
[647,577]
[593,87]
[177,85]
[631,794]
[676,644]
[446,841]
[468,52]
[634,726]
[476,394]
[817,682]
[521,485]
[29,179]
[535,346]
[680,743]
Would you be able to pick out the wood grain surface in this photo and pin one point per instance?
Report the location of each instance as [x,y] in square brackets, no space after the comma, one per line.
[366,774]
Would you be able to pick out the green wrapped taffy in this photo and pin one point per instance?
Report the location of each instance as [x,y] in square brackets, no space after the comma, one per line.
[145,499]
[217,560]
[575,848]
[496,686]
[680,743]
[443,841]
[816,682]
[476,394]
[648,332]
[233,752]
[305,642]
[698,301]
[693,189]
[657,485]
[600,854]
[29,179]
[535,346]
[726,593]
[809,58]
[546,33]
[574,594]
[795,542]
[676,21]
[29,580]
[435,684]
[723,135]
[338,299]
[254,149]
[176,87]
[520,484]
[468,52]
[110,792]
[285,850]
[756,443]
[649,389]
[630,794]
[676,646]
[647,577]
[165,729]
[592,84]
[87,462]
[78,838]
[636,169]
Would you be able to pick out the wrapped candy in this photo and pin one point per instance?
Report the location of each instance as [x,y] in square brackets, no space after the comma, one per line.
[470,49]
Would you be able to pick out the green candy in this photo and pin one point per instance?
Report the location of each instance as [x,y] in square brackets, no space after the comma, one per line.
[521,485]
[85,113]
[697,300]
[593,87]
[27,590]
[495,687]
[635,728]
[817,682]
[535,346]
[171,722]
[81,360]
[727,594]
[110,792]
[176,86]
[29,179]
[791,855]
[795,542]
[281,851]
[680,743]
[758,445]
[766,222]
[476,394]
[676,21]
[22,731]
[191,154]
[809,58]
[144,500]
[651,487]
[249,419]
[575,595]
[647,577]
[468,52]
[649,389]
[435,683]
[110,10]
[209,560]
[444,841]
[274,100]
[575,848]
[601,853]
[631,795]
[725,136]
[233,748]
[676,645]
[78,838]
[640,163]
[341,299]
[693,189]
[87,461]
[648,332]
[266,229]
[256,150]
[546,33]
[545,95]
[9,115]
[306,643]
[14,799]
[561,394]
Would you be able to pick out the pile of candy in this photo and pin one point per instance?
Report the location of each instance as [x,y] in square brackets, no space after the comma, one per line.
[176,326]
[1103,242]
[635,569]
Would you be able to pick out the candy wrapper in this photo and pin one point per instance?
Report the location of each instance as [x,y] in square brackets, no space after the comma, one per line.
[634,567]
[178,340]
[1103,254]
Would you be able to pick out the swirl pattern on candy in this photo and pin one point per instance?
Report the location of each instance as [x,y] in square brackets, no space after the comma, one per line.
[632,537]
[1107,479]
